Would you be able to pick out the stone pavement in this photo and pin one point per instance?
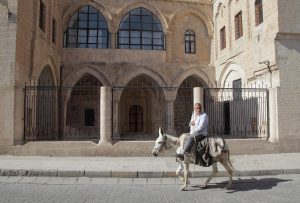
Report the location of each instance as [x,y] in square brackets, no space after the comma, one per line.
[142,167]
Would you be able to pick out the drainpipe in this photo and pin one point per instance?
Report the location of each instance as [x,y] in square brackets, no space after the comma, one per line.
[267,63]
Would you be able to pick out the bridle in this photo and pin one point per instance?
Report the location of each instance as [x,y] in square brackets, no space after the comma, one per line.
[164,144]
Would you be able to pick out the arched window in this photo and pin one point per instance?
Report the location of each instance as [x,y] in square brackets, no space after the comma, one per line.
[258,12]
[140,29]
[87,29]
[190,41]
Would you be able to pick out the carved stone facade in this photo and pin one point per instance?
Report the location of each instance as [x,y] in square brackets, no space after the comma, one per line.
[33,39]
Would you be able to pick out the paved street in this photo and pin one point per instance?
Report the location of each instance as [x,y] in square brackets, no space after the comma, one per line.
[280,188]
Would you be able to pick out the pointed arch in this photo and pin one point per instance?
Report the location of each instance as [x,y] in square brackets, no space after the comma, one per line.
[231,69]
[148,6]
[140,29]
[197,72]
[46,77]
[141,108]
[67,13]
[124,79]
[82,70]
[194,12]
[87,28]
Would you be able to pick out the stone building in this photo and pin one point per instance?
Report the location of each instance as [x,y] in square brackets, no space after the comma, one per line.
[256,42]
[98,77]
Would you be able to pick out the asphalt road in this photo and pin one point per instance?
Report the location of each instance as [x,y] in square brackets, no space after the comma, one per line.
[281,188]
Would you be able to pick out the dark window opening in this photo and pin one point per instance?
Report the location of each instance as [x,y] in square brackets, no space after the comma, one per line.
[54,30]
[237,89]
[258,12]
[226,114]
[89,117]
[42,22]
[238,22]
[223,38]
[190,42]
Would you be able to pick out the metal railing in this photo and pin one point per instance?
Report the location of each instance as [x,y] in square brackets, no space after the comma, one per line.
[61,113]
[73,113]
[237,112]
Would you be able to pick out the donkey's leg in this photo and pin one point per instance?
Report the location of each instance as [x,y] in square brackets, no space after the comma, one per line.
[228,167]
[186,165]
[213,174]
[179,171]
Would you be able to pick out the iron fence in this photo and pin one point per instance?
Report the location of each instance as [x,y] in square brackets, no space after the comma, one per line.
[73,113]
[138,111]
[237,112]
[61,113]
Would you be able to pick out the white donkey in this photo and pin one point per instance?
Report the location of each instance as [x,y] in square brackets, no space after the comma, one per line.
[165,142]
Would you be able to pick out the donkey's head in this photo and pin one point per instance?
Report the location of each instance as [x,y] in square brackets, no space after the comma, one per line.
[160,142]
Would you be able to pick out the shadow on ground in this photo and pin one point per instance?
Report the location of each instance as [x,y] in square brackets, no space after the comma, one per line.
[243,184]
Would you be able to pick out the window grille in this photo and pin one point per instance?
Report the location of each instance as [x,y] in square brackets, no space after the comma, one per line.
[89,117]
[87,29]
[136,123]
[140,29]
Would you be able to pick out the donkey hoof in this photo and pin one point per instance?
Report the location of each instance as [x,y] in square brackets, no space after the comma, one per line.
[203,186]
[183,188]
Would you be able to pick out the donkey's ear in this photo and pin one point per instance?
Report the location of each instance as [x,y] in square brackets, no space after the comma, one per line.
[160,131]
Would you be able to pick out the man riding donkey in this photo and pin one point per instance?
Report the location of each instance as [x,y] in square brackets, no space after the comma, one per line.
[209,151]
[198,131]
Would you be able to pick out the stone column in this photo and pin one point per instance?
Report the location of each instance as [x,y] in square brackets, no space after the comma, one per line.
[116,100]
[105,115]
[198,96]
[273,116]
[113,40]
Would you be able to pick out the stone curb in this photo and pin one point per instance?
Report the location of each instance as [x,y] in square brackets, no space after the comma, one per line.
[139,174]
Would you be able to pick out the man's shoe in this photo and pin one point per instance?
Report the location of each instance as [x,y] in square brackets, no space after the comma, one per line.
[179,156]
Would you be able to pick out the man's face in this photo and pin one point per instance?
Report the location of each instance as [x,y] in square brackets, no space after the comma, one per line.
[197,109]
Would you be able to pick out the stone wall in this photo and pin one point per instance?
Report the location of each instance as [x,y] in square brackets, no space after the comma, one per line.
[288,59]
[171,64]
[242,56]
[34,51]
[7,70]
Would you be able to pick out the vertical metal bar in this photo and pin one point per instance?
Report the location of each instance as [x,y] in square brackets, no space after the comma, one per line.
[24,113]
[268,113]
[60,129]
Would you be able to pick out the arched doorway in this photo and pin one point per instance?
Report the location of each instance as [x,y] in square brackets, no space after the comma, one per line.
[183,105]
[141,109]
[82,112]
[46,102]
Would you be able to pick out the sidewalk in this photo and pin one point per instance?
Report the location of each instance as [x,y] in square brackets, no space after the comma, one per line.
[142,167]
